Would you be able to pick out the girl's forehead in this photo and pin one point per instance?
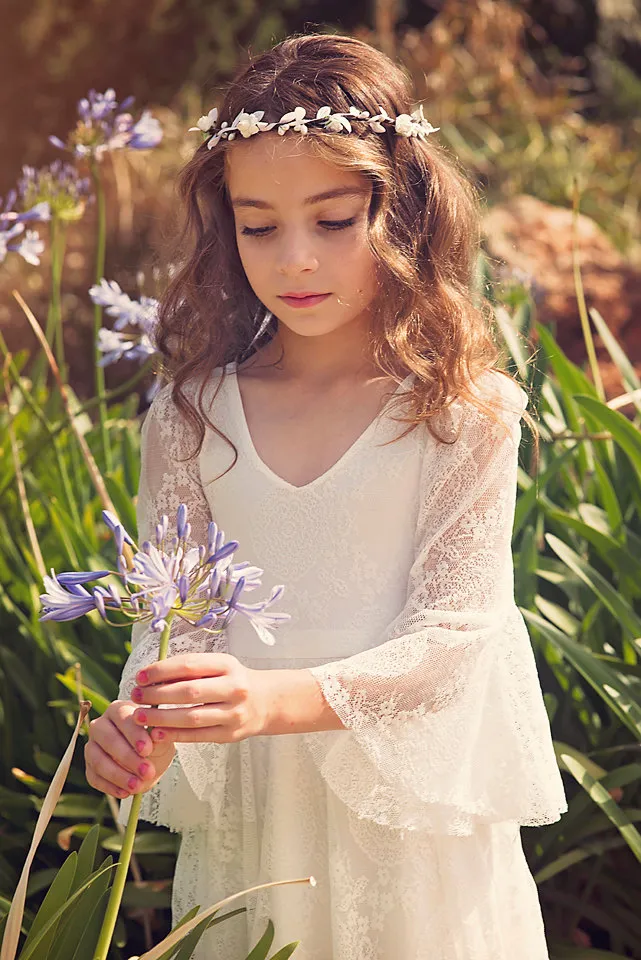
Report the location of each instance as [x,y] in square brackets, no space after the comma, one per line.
[276,162]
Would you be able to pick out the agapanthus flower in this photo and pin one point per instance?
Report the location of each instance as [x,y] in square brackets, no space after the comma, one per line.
[199,584]
[136,313]
[59,185]
[139,315]
[13,237]
[115,345]
[104,125]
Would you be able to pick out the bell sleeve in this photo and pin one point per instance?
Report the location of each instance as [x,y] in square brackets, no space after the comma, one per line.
[445,723]
[168,479]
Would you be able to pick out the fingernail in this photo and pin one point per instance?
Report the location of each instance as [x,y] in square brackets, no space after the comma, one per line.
[144,769]
[142,677]
[141,716]
[123,794]
[132,783]
[136,693]
[140,745]
[160,734]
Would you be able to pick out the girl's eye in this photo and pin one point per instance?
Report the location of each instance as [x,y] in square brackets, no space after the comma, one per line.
[326,224]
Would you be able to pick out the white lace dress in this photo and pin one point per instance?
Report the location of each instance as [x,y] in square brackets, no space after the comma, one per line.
[398,571]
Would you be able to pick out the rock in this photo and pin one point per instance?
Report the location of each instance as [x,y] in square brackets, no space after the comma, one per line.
[531,237]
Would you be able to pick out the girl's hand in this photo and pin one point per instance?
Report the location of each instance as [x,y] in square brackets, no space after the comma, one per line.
[120,756]
[213,697]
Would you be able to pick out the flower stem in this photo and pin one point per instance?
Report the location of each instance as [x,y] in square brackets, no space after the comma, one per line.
[97,314]
[120,878]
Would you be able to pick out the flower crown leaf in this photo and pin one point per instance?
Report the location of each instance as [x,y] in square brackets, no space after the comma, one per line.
[248,124]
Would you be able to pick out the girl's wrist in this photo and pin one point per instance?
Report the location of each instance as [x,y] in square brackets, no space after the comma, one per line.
[294,703]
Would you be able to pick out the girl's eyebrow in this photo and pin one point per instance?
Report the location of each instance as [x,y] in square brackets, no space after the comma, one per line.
[316,198]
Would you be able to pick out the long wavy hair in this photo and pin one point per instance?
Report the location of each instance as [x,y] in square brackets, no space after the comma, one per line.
[424,230]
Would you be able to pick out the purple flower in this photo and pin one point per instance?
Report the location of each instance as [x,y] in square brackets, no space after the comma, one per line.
[141,313]
[113,522]
[72,579]
[61,604]
[58,185]
[104,125]
[12,226]
[199,584]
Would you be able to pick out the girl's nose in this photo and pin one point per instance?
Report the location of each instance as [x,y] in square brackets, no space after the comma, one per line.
[297,257]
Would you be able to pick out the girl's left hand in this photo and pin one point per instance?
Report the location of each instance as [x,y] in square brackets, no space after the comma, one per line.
[213,698]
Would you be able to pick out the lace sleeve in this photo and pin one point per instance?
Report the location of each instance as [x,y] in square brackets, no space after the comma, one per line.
[165,483]
[445,720]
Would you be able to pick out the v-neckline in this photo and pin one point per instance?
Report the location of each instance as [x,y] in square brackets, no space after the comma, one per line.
[231,369]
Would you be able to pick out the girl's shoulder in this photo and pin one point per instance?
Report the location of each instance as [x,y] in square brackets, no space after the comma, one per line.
[499,392]
[200,388]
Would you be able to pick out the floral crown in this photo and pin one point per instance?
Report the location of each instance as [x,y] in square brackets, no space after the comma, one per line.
[247,124]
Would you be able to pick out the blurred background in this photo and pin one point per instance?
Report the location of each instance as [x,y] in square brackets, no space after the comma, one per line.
[524,93]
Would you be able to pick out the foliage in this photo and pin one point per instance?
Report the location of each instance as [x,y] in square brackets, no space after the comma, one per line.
[577,539]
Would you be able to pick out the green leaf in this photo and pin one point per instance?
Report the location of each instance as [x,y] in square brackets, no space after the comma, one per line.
[612,810]
[93,925]
[28,951]
[56,897]
[611,687]
[616,604]
[86,857]
[286,951]
[171,953]
[528,499]
[625,433]
[617,353]
[263,946]
[98,702]
[150,842]
[618,557]
[76,921]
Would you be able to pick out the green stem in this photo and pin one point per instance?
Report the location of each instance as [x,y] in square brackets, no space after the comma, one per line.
[57,263]
[54,429]
[580,295]
[120,878]
[97,313]
[62,466]
[53,331]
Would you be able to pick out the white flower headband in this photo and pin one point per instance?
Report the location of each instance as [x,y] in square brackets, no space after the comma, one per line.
[247,124]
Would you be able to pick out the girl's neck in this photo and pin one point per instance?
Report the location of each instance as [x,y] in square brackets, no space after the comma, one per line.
[324,360]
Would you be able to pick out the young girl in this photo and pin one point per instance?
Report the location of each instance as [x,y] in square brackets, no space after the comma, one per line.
[336,406]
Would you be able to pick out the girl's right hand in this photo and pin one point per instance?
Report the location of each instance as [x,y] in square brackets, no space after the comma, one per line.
[120,756]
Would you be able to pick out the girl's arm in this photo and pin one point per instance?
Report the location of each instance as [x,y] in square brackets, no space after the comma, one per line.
[168,479]
[445,719]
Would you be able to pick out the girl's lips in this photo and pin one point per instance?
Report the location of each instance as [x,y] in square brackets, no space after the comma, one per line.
[305,301]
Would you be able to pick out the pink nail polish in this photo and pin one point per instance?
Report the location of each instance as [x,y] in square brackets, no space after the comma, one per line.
[132,783]
[141,716]
[136,694]
[160,734]
[142,677]
[144,769]
[140,745]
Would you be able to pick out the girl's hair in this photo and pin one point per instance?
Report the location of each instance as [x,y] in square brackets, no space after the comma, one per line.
[424,233]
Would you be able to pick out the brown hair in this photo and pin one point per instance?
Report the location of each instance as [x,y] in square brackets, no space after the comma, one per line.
[424,232]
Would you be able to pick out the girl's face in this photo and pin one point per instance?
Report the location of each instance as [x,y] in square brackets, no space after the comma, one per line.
[301,228]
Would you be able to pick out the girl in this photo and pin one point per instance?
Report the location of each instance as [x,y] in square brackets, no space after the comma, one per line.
[336,406]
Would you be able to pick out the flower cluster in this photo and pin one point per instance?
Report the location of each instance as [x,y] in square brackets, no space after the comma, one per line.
[200,584]
[247,124]
[59,185]
[13,237]
[104,125]
[141,314]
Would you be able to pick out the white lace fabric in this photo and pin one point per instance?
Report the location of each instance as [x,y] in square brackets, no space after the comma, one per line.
[398,570]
